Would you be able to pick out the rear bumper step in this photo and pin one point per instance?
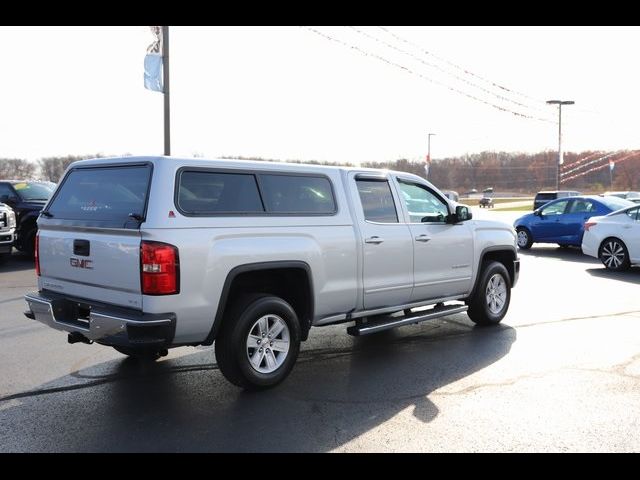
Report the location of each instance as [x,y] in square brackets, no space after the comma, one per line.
[99,322]
[387,322]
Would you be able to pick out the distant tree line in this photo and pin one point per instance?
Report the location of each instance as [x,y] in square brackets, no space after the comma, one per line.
[524,172]
[502,171]
[16,168]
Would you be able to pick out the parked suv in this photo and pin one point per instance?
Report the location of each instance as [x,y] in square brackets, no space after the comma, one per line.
[147,253]
[7,229]
[544,197]
[26,198]
[486,202]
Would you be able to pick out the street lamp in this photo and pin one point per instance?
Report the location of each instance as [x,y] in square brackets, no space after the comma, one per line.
[429,153]
[560,159]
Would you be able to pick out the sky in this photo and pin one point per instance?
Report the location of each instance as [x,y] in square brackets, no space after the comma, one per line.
[291,93]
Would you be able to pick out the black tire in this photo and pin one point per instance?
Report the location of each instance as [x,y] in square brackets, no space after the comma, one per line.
[525,239]
[28,246]
[480,311]
[614,255]
[150,354]
[232,352]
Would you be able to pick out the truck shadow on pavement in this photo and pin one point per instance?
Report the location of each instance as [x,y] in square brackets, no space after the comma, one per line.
[333,396]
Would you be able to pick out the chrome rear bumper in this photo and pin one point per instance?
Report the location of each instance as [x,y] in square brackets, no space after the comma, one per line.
[99,322]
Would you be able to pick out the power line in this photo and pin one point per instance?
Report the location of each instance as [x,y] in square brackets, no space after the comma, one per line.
[497,85]
[577,162]
[600,167]
[412,72]
[450,73]
[592,162]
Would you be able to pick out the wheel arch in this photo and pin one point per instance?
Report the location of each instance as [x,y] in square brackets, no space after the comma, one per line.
[294,284]
[506,255]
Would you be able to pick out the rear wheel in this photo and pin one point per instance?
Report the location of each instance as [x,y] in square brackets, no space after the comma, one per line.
[614,255]
[259,342]
[525,240]
[490,301]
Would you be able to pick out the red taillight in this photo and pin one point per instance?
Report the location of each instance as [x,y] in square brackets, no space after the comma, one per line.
[36,253]
[159,268]
[588,225]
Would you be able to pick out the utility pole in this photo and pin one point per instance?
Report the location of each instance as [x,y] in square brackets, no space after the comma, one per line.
[165,82]
[560,157]
[429,154]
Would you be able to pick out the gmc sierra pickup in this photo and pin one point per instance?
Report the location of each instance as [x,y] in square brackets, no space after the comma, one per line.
[147,253]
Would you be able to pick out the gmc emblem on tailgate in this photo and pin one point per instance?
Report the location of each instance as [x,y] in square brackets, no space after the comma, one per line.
[76,262]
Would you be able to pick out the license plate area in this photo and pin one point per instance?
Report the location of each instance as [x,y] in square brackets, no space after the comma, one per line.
[71,313]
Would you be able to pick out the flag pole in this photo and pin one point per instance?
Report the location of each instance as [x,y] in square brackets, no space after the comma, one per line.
[165,81]
[611,164]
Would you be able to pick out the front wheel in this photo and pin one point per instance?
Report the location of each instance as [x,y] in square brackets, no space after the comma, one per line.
[490,301]
[614,255]
[259,342]
[525,240]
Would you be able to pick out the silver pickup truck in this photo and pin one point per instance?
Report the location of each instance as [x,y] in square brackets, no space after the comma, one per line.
[147,253]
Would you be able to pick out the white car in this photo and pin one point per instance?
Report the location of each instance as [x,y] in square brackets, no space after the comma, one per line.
[614,238]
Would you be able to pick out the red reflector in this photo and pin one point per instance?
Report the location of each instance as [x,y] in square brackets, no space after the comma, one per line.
[159,268]
[588,225]
[36,253]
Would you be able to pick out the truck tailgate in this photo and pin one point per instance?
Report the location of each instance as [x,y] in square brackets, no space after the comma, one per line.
[101,265]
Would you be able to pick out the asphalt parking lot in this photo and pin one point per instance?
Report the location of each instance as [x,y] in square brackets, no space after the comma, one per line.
[560,373]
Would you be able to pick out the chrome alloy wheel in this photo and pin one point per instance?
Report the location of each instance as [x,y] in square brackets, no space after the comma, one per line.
[496,293]
[523,238]
[612,254]
[268,343]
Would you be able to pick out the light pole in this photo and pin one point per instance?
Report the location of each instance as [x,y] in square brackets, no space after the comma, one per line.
[429,154]
[560,159]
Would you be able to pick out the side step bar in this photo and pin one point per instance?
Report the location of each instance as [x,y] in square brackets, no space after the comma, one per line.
[385,323]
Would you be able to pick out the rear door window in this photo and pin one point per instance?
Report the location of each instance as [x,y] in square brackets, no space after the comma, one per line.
[377,201]
[581,206]
[108,194]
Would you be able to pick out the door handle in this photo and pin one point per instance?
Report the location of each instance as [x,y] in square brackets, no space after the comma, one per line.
[375,239]
[626,226]
[423,238]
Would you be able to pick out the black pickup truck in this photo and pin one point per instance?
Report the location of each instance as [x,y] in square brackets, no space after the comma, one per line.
[26,198]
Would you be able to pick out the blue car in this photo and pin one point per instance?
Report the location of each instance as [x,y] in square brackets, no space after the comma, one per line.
[562,221]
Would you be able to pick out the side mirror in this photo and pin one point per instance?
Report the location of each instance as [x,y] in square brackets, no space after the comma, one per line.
[462,214]
[537,213]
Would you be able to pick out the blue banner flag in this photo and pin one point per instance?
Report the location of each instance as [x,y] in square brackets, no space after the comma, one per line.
[153,63]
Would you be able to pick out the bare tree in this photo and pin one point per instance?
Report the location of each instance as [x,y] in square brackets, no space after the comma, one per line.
[16,168]
[52,168]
